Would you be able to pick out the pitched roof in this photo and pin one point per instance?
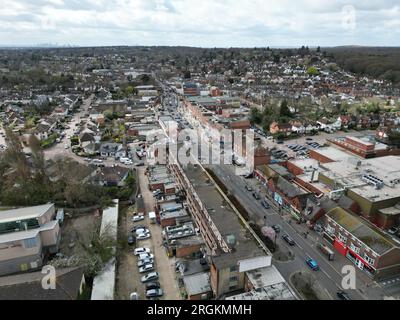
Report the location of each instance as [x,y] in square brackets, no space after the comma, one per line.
[28,286]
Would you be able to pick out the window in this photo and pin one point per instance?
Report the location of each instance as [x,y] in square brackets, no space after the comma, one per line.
[342,238]
[369,260]
[329,229]
[354,248]
[234,279]
[30,243]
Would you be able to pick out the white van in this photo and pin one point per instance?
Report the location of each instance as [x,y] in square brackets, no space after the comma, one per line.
[123,160]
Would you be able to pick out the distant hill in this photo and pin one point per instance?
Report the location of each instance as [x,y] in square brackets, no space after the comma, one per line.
[378,62]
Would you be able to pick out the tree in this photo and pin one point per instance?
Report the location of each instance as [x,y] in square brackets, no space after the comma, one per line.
[256,116]
[284,111]
[312,71]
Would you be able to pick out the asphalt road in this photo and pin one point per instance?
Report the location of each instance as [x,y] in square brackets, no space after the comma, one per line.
[329,277]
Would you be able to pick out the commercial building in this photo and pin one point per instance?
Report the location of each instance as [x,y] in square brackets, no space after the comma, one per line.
[230,245]
[362,243]
[27,236]
[373,183]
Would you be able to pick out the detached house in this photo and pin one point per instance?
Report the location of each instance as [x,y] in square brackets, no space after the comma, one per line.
[115,150]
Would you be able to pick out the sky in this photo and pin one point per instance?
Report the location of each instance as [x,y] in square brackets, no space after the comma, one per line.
[200,23]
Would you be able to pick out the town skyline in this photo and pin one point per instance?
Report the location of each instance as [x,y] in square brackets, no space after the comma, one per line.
[223,24]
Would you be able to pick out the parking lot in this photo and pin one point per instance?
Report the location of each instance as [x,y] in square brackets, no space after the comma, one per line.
[129,271]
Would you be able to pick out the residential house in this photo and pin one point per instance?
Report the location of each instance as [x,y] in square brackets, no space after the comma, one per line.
[115,150]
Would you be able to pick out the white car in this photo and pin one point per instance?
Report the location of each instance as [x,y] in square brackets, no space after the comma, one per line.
[150,277]
[142,231]
[138,218]
[143,236]
[142,263]
[66,146]
[139,251]
[146,268]
[145,256]
[129,163]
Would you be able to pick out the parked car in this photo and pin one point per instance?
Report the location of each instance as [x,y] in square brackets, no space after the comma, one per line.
[134,296]
[145,256]
[150,277]
[277,228]
[154,293]
[131,240]
[343,295]
[393,230]
[142,263]
[142,231]
[143,236]
[153,285]
[146,268]
[313,264]
[138,218]
[249,188]
[139,251]
[133,230]
[289,240]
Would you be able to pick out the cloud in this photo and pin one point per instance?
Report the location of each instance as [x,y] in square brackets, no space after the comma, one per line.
[220,23]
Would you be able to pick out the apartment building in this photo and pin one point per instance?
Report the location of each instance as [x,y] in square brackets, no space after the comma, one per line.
[231,247]
[27,236]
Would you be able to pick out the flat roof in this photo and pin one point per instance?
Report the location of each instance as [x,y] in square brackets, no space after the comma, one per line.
[225,219]
[335,154]
[24,213]
[197,283]
[350,175]
[280,291]
[265,277]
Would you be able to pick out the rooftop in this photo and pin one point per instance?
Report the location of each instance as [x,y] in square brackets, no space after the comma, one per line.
[24,213]
[224,218]
[360,229]
[385,169]
[197,283]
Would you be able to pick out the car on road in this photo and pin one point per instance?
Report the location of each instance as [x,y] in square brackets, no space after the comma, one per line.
[154,293]
[143,236]
[249,188]
[128,163]
[152,276]
[138,218]
[87,160]
[265,204]
[66,146]
[313,264]
[256,196]
[142,263]
[309,139]
[277,228]
[289,240]
[139,251]
[146,268]
[343,295]
[153,285]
